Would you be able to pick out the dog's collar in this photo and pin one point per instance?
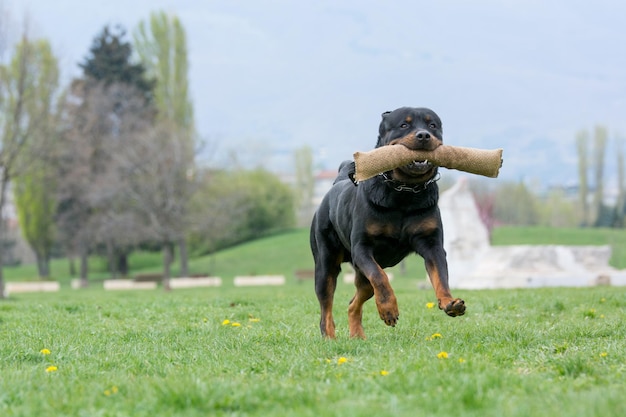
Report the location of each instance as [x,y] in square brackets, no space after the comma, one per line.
[402,186]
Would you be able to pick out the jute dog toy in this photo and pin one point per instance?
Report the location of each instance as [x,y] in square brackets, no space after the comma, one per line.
[475,161]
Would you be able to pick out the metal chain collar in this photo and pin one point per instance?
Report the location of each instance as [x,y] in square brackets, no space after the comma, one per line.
[401,186]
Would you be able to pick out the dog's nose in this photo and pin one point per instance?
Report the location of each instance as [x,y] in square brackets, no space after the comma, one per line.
[422,136]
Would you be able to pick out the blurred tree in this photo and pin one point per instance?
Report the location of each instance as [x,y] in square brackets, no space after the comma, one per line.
[305,184]
[109,61]
[515,205]
[34,189]
[557,210]
[16,124]
[620,204]
[269,204]
[599,142]
[162,47]
[103,113]
[236,206]
[158,182]
[582,145]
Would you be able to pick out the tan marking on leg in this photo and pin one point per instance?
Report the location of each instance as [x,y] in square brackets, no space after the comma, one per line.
[329,328]
[364,292]
[451,306]
[386,301]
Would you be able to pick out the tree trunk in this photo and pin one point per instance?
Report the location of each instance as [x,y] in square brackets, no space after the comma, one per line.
[111,259]
[3,185]
[184,257]
[43,265]
[72,266]
[122,263]
[84,267]
[167,264]
[1,274]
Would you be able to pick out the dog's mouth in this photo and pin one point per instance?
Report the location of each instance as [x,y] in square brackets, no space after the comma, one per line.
[417,167]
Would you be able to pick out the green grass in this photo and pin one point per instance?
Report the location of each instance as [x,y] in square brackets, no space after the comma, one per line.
[540,352]
[285,253]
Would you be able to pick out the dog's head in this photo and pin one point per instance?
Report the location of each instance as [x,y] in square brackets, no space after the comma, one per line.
[417,129]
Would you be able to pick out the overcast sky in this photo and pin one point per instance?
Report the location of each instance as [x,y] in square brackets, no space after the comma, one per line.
[270,76]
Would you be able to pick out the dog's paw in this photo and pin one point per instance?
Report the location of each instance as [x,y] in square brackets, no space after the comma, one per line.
[389,312]
[453,308]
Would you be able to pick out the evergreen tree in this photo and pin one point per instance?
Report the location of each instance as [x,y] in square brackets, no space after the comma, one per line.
[109,61]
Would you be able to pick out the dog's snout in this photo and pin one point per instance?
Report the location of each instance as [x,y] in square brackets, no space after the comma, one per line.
[422,136]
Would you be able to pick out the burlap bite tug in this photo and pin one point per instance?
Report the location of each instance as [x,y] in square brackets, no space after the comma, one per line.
[475,161]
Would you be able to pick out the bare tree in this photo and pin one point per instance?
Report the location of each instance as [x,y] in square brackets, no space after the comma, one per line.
[94,211]
[162,45]
[159,182]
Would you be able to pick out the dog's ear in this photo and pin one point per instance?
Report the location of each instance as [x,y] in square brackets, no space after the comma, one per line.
[382,129]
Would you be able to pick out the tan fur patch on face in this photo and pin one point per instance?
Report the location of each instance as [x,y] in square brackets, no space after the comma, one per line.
[427,118]
[409,119]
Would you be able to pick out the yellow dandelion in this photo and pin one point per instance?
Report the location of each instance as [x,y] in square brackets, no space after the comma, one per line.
[603,355]
[430,305]
[51,368]
[226,322]
[107,392]
[461,360]
[205,320]
[254,320]
[235,324]
[114,389]
[45,351]
[341,360]
[328,360]
[442,355]
[436,336]
[384,373]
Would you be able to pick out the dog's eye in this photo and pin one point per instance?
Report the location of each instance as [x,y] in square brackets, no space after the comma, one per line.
[433,125]
[404,125]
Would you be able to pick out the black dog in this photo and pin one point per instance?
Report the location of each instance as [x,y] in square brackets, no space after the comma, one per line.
[377,223]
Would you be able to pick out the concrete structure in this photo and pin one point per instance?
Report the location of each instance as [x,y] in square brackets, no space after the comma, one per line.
[35,286]
[195,282]
[474,264]
[127,284]
[259,280]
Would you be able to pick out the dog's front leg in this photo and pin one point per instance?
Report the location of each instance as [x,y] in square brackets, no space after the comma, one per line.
[437,268]
[386,302]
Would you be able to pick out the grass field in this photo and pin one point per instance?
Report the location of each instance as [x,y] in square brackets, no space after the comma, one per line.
[285,253]
[542,352]
[257,351]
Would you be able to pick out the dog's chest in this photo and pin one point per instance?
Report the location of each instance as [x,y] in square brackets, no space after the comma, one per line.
[402,228]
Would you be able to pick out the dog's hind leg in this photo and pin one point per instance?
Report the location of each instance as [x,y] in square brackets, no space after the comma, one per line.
[328,256]
[325,285]
[364,291]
